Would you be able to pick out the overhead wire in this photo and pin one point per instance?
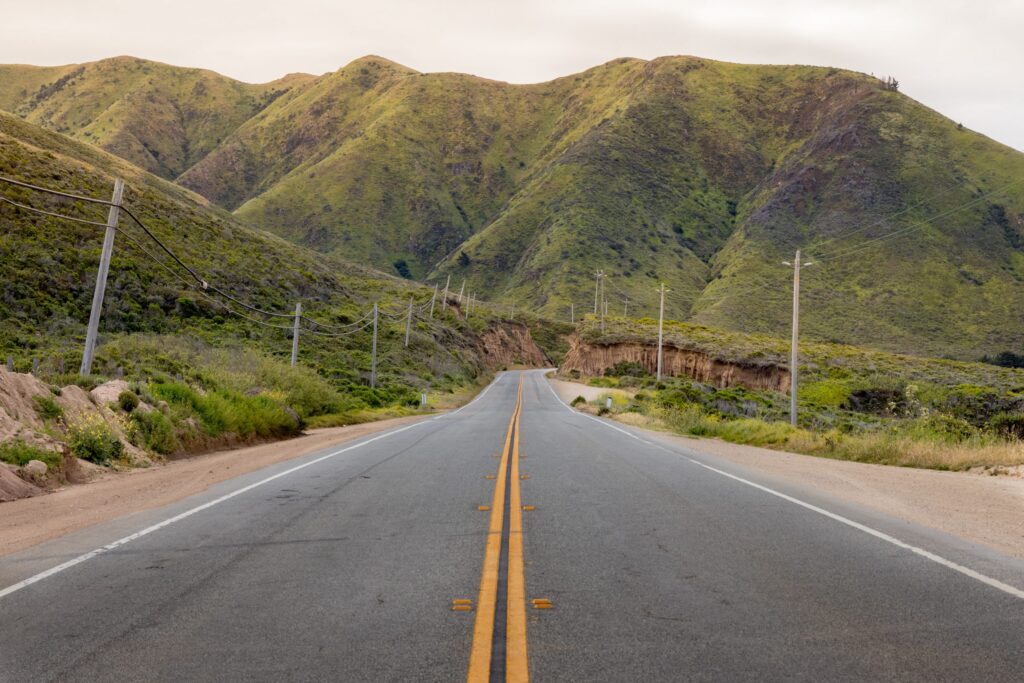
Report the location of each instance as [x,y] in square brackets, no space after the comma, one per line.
[26,207]
[58,193]
[867,243]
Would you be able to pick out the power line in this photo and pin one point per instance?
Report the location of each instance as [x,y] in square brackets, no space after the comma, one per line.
[57,192]
[26,207]
[863,245]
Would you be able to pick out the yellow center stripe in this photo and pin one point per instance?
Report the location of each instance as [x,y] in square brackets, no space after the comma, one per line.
[483,627]
[515,645]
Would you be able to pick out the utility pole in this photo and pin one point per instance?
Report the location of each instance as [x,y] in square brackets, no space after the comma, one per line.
[572,313]
[101,279]
[444,299]
[295,333]
[794,343]
[432,300]
[469,304]
[461,290]
[661,328]
[597,287]
[373,353]
[408,323]
[625,308]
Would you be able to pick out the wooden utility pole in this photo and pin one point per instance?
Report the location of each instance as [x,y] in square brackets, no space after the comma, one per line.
[661,329]
[794,351]
[373,352]
[572,313]
[295,333]
[444,299]
[101,279]
[432,300]
[408,323]
[461,290]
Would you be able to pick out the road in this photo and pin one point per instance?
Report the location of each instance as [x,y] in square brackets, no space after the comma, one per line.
[375,562]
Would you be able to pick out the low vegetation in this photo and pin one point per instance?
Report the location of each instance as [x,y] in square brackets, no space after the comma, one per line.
[854,403]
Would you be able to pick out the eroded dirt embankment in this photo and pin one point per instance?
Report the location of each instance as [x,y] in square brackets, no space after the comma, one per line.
[509,343]
[594,359]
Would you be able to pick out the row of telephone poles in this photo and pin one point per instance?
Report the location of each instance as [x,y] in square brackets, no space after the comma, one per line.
[601,306]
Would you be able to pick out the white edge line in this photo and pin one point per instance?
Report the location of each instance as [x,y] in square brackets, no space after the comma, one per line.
[966,571]
[188,513]
[13,588]
[477,398]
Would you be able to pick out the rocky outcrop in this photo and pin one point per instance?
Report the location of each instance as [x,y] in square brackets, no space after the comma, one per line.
[509,343]
[594,359]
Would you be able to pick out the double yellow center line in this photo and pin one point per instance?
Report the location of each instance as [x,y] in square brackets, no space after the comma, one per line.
[480,659]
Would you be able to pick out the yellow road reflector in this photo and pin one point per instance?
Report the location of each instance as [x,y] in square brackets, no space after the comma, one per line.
[462,608]
[524,476]
[541,603]
[462,601]
[484,508]
[529,507]
[489,476]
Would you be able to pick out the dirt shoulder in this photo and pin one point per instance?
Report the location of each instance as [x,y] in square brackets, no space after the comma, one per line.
[988,510]
[30,521]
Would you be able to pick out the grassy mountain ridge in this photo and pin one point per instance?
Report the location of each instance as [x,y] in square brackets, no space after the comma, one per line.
[701,174]
[156,323]
[160,117]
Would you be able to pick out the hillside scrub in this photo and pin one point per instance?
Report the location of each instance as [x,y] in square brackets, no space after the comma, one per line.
[951,428]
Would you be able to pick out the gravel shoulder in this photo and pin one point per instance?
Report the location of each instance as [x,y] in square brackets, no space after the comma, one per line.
[988,510]
[30,521]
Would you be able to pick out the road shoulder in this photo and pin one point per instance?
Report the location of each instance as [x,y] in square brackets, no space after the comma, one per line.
[30,521]
[987,510]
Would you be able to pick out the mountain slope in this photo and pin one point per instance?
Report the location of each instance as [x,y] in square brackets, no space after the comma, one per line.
[162,118]
[154,312]
[701,174]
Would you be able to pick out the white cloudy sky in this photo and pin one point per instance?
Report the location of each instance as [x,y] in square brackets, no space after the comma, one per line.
[962,57]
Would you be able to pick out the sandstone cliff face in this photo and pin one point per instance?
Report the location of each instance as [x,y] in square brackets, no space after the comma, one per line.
[509,343]
[593,359]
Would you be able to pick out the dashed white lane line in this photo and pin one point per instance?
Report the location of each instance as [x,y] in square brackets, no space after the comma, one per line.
[14,588]
[938,559]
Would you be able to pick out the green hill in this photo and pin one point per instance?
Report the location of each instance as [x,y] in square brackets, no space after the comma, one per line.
[162,118]
[159,323]
[701,174]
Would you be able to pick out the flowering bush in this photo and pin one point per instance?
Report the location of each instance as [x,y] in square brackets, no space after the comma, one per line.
[92,439]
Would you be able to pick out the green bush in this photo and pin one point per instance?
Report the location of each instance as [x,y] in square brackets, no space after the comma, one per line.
[577,401]
[19,453]
[153,431]
[222,412]
[1008,425]
[92,439]
[47,408]
[128,401]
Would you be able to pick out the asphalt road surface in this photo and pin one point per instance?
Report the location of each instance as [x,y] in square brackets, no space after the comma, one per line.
[639,561]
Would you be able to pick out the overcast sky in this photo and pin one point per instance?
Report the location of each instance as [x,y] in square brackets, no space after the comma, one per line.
[963,58]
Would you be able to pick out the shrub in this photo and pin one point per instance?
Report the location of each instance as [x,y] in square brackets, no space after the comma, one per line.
[92,439]
[153,431]
[128,401]
[19,453]
[577,401]
[1008,425]
[47,408]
